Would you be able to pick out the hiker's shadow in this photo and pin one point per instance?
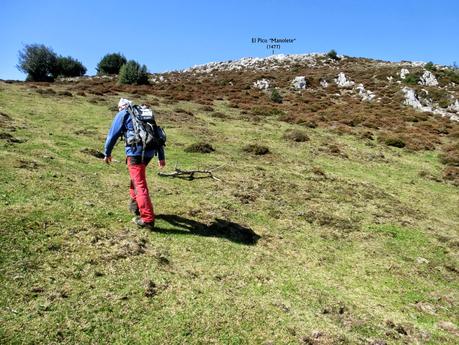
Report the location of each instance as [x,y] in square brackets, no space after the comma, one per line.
[219,228]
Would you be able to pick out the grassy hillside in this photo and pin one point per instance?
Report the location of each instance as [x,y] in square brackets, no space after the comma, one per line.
[334,240]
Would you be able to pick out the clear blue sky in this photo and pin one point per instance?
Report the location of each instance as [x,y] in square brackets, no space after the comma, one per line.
[173,34]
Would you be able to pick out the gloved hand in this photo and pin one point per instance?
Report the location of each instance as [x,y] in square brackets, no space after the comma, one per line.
[162,163]
[108,159]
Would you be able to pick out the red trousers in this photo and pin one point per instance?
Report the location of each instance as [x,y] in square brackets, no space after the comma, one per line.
[139,189]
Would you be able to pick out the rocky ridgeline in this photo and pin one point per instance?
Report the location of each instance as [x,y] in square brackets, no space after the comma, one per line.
[261,64]
[342,81]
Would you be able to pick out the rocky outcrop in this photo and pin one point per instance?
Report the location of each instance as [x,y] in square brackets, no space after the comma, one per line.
[412,100]
[299,82]
[428,79]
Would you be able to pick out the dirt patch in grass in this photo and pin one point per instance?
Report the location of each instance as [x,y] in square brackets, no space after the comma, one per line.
[322,218]
[256,149]
[334,150]
[93,152]
[86,132]
[4,119]
[27,164]
[10,139]
[119,245]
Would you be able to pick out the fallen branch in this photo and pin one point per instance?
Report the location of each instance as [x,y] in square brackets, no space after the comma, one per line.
[190,174]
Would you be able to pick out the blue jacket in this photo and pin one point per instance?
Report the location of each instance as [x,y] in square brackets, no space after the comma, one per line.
[121,124]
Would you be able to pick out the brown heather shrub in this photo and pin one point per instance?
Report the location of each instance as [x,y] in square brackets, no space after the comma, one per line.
[256,149]
[183,111]
[65,93]
[207,108]
[450,156]
[316,170]
[341,129]
[201,147]
[451,174]
[454,133]
[367,135]
[392,140]
[46,91]
[219,115]
[296,135]
[267,111]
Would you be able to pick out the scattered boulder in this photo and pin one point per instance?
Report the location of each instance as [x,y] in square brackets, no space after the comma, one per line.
[299,82]
[403,73]
[342,81]
[454,107]
[261,84]
[323,83]
[428,79]
[365,94]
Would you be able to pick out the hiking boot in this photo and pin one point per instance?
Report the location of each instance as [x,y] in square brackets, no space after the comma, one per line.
[134,208]
[142,224]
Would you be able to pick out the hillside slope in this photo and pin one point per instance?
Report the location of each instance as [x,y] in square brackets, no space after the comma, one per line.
[330,238]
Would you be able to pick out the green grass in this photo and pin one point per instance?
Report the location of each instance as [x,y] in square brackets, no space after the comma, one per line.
[346,254]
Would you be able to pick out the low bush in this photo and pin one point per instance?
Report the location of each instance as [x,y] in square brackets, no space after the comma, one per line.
[276,96]
[430,66]
[332,55]
[412,78]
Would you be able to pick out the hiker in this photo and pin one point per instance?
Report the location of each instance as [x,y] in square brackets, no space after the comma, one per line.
[136,159]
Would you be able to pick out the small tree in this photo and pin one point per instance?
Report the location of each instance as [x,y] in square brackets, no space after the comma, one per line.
[38,61]
[111,64]
[133,73]
[276,96]
[69,67]
[333,55]
[430,66]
